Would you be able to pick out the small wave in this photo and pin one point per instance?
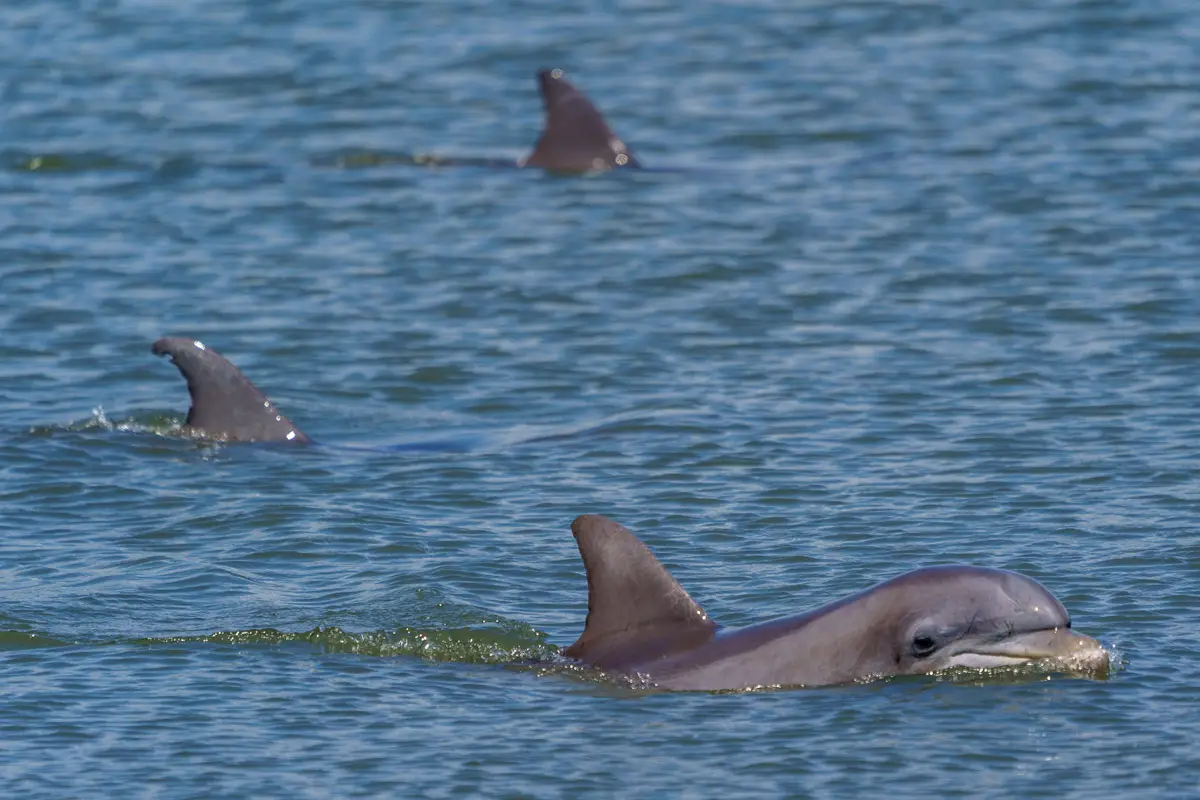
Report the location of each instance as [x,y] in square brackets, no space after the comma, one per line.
[21,640]
[637,421]
[138,422]
[64,163]
[512,644]
[361,159]
[170,168]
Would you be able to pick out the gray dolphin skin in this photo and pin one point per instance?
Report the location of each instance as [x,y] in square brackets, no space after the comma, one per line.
[642,623]
[225,404]
[575,137]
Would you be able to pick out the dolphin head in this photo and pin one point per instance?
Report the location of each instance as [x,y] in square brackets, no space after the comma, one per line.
[978,617]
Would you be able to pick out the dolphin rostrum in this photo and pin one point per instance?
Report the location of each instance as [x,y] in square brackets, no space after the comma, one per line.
[575,137]
[641,623]
[225,404]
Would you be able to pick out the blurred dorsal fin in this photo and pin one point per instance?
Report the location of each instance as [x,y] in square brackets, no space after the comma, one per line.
[575,137]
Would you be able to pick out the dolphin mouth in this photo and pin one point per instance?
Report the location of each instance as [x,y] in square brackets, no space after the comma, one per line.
[1056,648]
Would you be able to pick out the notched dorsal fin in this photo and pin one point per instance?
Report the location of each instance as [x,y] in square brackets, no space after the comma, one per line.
[225,404]
[575,137]
[636,611]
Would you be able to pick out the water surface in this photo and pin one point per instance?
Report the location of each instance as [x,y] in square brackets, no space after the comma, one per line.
[922,289]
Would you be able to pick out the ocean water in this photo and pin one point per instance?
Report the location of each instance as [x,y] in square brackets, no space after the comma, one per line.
[918,285]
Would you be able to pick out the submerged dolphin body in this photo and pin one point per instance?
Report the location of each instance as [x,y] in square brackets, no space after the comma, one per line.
[642,623]
[227,407]
[225,404]
[575,137]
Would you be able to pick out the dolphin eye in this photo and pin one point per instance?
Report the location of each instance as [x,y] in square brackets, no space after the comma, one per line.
[923,645]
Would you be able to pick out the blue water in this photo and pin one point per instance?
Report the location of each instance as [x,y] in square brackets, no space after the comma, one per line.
[919,286]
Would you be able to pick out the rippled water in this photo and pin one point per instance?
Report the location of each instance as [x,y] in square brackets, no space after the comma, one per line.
[920,287]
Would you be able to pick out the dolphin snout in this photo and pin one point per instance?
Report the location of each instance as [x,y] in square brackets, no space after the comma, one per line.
[1056,648]
[1062,646]
[1077,652]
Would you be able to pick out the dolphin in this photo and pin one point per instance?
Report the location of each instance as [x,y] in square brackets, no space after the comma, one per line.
[225,404]
[575,137]
[227,407]
[642,624]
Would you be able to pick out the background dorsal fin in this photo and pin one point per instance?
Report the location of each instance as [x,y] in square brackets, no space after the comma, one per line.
[636,610]
[575,137]
[225,404]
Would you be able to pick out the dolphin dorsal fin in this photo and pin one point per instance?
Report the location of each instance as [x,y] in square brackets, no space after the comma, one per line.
[575,137]
[636,610]
[225,404]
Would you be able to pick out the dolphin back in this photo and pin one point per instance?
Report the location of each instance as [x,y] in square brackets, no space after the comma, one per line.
[636,611]
[575,137]
[225,404]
